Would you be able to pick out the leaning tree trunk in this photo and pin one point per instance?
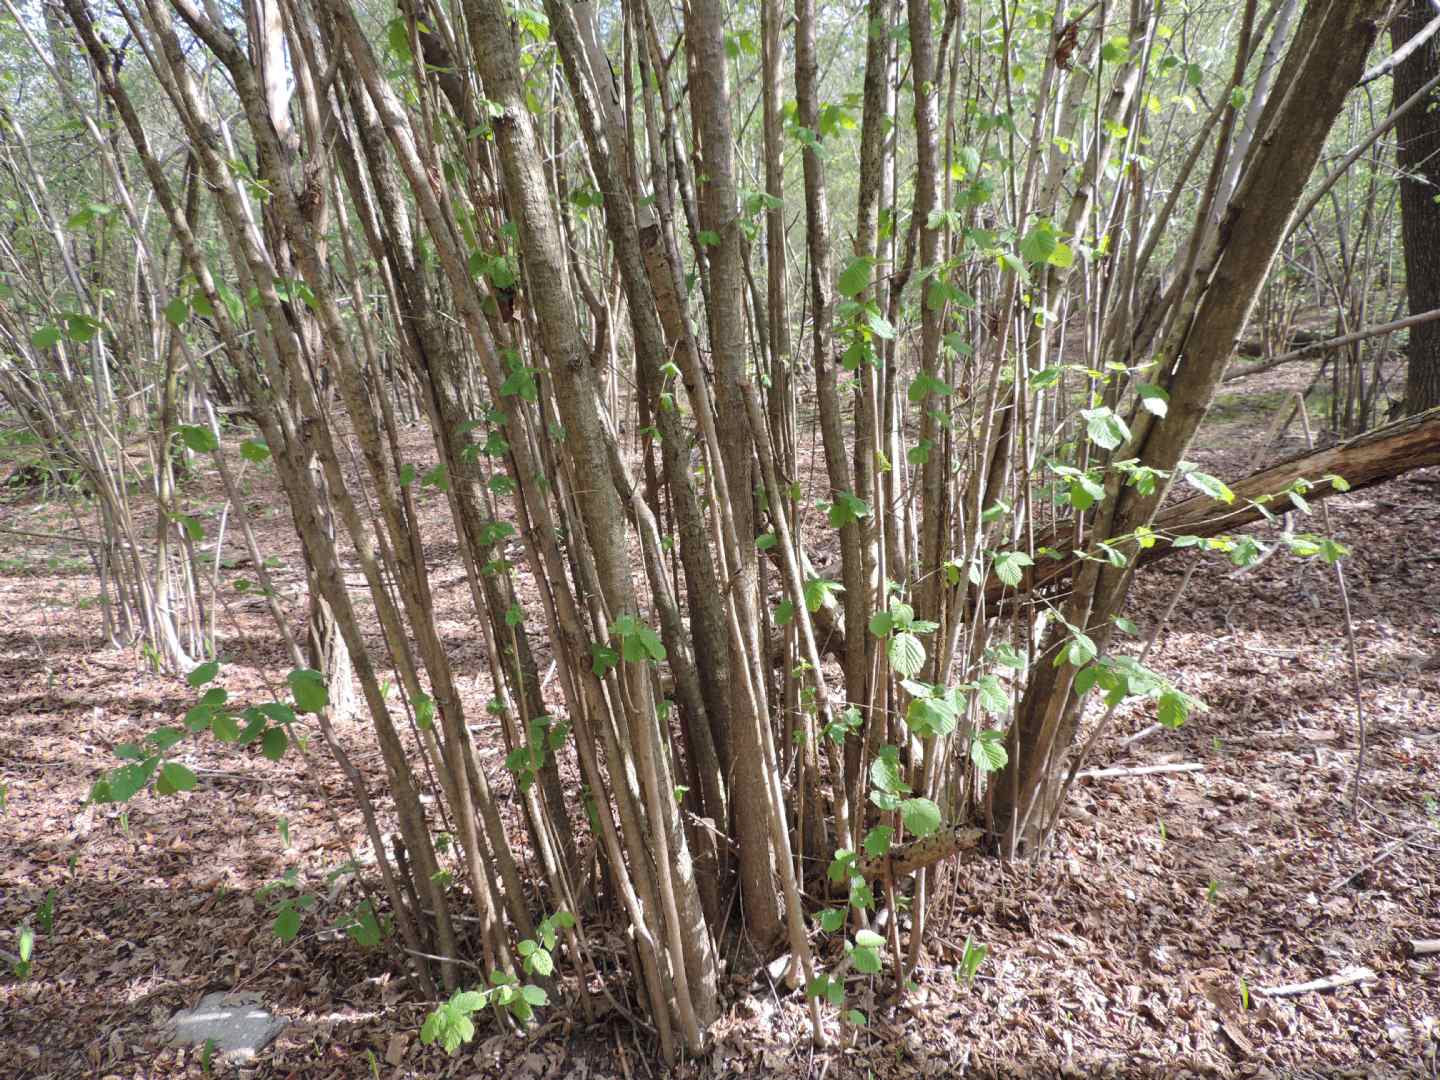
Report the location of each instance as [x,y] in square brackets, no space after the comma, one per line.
[1417,152]
[1324,62]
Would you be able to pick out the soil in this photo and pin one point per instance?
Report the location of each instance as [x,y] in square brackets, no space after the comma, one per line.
[1143,944]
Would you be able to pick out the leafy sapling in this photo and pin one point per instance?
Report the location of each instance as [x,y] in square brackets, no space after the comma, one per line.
[268,724]
[451,1024]
[23,962]
[971,957]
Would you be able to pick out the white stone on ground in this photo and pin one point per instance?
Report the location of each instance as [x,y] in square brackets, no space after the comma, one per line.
[236,1021]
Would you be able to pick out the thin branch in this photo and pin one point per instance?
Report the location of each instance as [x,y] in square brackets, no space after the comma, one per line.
[1398,57]
[1318,347]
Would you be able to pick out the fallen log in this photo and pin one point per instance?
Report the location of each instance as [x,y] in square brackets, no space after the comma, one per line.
[1372,458]
[905,859]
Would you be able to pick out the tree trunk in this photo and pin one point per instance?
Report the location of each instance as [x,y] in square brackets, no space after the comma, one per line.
[1417,152]
[710,105]
[1324,62]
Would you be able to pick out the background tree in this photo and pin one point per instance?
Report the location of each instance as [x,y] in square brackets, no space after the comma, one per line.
[1417,152]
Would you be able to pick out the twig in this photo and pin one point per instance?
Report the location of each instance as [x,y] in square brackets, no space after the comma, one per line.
[1349,634]
[1143,733]
[1424,946]
[1389,849]
[1396,58]
[53,536]
[1139,770]
[1318,347]
[1330,982]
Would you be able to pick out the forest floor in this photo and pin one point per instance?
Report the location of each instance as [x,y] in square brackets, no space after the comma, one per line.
[1142,945]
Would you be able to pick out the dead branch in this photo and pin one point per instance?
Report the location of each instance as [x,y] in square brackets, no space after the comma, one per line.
[1315,348]
[1330,982]
[1139,770]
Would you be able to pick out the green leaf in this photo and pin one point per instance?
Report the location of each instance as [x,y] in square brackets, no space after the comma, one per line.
[921,816]
[876,843]
[193,529]
[1208,485]
[1104,428]
[85,217]
[885,772]
[127,780]
[1009,566]
[602,659]
[231,299]
[868,939]
[652,644]
[274,743]
[866,961]
[987,751]
[1116,50]
[970,960]
[1045,378]
[1039,244]
[46,337]
[534,995]
[204,673]
[199,718]
[1153,399]
[176,776]
[923,385]
[163,738]
[308,686]
[177,311]
[993,698]
[930,716]
[907,654]
[855,278]
[846,509]
[254,451]
[1175,707]
[279,712]
[819,592]
[832,919]
[287,923]
[1080,651]
[880,326]
[200,439]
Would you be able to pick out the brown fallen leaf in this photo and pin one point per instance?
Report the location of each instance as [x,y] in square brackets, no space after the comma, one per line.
[395,1050]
